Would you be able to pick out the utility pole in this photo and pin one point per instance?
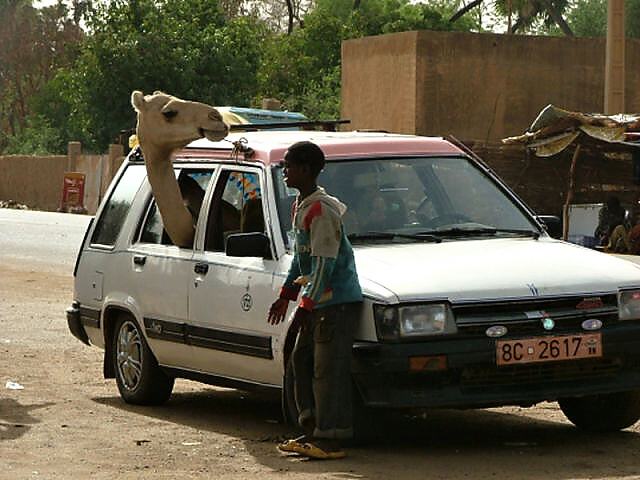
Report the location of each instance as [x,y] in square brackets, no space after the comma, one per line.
[614,63]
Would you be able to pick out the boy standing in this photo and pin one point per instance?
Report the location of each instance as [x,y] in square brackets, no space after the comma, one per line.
[324,268]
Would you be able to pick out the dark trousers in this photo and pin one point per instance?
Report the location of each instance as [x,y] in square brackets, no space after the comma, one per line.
[322,371]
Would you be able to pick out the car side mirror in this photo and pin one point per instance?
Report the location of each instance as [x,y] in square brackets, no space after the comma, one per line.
[552,224]
[254,244]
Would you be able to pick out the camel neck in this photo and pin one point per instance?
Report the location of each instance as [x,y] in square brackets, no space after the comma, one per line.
[157,158]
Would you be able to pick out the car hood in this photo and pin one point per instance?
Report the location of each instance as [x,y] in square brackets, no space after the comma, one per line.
[490,269]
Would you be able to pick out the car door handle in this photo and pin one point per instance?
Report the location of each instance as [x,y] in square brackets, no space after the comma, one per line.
[201,268]
[139,259]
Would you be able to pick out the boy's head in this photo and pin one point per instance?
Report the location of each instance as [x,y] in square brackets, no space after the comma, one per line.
[305,154]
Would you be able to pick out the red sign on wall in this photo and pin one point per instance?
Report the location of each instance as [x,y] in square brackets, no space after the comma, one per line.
[73,192]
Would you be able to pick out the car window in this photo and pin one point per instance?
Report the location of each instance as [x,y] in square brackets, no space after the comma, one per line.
[115,210]
[193,185]
[237,208]
[410,195]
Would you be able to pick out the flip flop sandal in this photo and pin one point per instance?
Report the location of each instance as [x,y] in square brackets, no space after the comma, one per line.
[294,445]
[290,446]
[312,451]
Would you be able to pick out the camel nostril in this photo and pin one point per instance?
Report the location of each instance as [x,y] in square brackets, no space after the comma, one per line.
[215,116]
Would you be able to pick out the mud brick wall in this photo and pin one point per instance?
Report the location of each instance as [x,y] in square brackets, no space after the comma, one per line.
[36,181]
[474,85]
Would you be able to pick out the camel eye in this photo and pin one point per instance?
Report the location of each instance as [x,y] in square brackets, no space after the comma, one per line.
[169,114]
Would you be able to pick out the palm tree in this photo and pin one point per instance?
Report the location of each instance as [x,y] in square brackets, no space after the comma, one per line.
[527,12]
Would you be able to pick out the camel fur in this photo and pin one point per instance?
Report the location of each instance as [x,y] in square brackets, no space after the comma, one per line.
[166,124]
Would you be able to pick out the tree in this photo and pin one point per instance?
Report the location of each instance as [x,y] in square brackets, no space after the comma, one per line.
[303,68]
[529,14]
[34,44]
[588,18]
[37,137]
[185,47]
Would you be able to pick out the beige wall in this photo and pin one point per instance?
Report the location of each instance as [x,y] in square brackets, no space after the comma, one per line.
[474,86]
[36,181]
[379,82]
[33,181]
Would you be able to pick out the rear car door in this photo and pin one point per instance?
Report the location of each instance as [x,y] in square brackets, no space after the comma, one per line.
[162,273]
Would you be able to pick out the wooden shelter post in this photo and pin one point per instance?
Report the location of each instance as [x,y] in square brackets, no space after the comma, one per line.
[569,197]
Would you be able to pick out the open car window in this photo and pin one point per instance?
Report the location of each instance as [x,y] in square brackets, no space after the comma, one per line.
[193,185]
[237,208]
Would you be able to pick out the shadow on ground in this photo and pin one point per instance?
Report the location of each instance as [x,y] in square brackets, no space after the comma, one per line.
[16,419]
[441,444]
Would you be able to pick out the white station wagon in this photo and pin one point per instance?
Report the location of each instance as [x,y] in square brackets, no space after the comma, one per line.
[469,302]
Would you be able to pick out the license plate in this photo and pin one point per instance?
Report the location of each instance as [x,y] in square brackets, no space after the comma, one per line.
[548,349]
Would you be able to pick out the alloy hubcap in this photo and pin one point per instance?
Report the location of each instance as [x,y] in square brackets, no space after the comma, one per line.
[129,355]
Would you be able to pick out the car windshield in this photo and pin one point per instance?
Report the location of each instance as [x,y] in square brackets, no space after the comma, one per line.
[421,199]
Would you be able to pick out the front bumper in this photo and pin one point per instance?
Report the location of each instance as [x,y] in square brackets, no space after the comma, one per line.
[74,322]
[472,379]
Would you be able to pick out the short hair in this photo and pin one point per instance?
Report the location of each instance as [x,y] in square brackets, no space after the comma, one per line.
[306,153]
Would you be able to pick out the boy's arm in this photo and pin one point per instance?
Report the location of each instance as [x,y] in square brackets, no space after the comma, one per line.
[318,284]
[290,288]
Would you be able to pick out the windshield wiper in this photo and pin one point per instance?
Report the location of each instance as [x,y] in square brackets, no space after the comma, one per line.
[425,237]
[463,232]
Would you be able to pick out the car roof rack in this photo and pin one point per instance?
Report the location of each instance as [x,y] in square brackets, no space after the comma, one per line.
[326,125]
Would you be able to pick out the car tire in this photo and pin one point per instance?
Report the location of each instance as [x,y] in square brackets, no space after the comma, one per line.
[138,376]
[366,420]
[603,413]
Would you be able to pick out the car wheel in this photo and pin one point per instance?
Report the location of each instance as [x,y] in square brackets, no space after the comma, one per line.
[603,413]
[140,380]
[366,421]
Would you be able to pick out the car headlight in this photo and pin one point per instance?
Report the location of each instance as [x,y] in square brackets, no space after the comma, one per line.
[629,305]
[407,321]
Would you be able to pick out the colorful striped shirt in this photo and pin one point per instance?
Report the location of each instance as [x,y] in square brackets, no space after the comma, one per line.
[323,265]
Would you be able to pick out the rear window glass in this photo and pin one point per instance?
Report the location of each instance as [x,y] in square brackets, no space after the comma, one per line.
[115,211]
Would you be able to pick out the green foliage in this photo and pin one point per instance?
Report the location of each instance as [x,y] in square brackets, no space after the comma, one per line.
[531,16]
[184,47]
[632,15]
[194,49]
[34,44]
[303,69]
[37,137]
[588,18]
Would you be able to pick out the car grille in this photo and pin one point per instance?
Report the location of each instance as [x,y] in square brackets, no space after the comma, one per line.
[484,377]
[524,317]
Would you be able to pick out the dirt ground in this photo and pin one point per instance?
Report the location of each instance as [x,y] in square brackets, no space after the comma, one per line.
[69,423]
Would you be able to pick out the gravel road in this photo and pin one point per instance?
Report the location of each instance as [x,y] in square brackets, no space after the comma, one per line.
[69,423]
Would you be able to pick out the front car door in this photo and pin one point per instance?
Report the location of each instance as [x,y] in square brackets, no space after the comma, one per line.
[230,296]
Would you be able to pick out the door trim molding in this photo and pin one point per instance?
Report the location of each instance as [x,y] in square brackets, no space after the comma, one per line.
[212,338]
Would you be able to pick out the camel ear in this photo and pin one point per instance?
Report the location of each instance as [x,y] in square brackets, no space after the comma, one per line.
[137,100]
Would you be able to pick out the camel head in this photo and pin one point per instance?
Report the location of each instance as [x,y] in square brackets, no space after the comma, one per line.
[169,123]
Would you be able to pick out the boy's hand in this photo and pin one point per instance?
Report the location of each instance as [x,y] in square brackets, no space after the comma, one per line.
[277,311]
